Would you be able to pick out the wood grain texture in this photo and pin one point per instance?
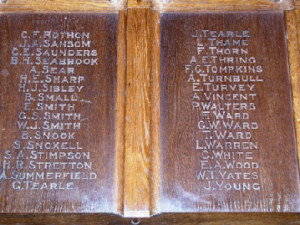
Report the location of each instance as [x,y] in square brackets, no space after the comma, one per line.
[28,187]
[294,65]
[221,5]
[60,5]
[139,4]
[155,112]
[137,119]
[182,188]
[294,58]
[120,114]
[137,199]
[165,219]
[297,24]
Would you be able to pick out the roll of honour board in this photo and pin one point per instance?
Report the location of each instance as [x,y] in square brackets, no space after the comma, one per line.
[57,113]
[211,131]
[227,128]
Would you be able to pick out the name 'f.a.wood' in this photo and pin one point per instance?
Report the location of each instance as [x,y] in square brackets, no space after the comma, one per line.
[114,110]
[227,130]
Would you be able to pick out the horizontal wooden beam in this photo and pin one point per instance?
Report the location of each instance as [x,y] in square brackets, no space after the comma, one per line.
[60,5]
[221,5]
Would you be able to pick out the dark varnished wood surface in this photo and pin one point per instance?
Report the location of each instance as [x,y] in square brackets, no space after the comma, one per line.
[92,139]
[272,184]
[166,219]
[88,218]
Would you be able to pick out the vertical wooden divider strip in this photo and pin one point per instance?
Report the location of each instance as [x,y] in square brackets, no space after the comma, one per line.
[120,114]
[155,112]
[294,64]
[297,12]
[137,117]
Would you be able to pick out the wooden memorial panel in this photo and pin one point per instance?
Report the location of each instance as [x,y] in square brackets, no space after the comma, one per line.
[227,129]
[58,76]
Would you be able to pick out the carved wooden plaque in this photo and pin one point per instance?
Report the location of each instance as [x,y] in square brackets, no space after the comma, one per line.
[57,112]
[227,129]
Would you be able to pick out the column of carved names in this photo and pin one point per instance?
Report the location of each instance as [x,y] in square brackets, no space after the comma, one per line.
[223,77]
[47,153]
